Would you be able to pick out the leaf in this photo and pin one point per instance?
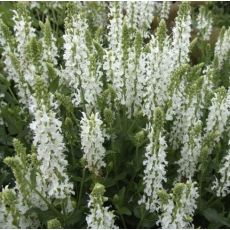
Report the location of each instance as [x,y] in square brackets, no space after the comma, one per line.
[12,118]
[137,211]
[125,211]
[43,216]
[74,218]
[118,199]
[149,221]
[213,216]
[112,181]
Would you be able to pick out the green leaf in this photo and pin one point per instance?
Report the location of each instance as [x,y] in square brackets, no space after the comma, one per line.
[43,216]
[213,216]
[125,211]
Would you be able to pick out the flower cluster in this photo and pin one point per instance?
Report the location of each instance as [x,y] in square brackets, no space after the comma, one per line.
[182,34]
[140,15]
[204,23]
[154,163]
[99,217]
[190,152]
[87,95]
[49,144]
[222,47]
[222,186]
[165,9]
[219,112]
[178,207]
[82,70]
[25,194]
[92,139]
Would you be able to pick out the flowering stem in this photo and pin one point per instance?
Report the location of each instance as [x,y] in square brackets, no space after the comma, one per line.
[73,157]
[49,205]
[81,188]
[46,201]
[12,94]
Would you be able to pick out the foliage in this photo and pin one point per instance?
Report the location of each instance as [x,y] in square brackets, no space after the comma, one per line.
[100,113]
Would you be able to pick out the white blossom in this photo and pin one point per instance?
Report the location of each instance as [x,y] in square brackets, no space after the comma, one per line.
[190,152]
[83,76]
[219,112]
[204,23]
[13,73]
[49,143]
[181,35]
[113,64]
[92,139]
[24,32]
[154,172]
[222,186]
[100,217]
[140,15]
[165,9]
[178,211]
[156,77]
[222,47]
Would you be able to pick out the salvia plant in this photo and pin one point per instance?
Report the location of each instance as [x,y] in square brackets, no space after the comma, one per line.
[114,115]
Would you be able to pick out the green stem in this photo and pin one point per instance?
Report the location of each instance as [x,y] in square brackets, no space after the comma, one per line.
[114,155]
[50,205]
[210,200]
[135,163]
[131,126]
[217,200]
[123,221]
[141,220]
[81,188]
[200,186]
[12,94]
[72,154]
[136,155]
[46,201]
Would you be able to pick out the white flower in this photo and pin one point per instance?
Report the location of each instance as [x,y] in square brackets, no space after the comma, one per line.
[92,139]
[23,33]
[222,186]
[190,151]
[81,74]
[140,15]
[157,71]
[113,64]
[178,211]
[154,172]
[134,79]
[9,66]
[176,112]
[12,215]
[50,147]
[100,217]
[219,112]
[165,9]
[181,35]
[204,23]
[50,50]
[222,47]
